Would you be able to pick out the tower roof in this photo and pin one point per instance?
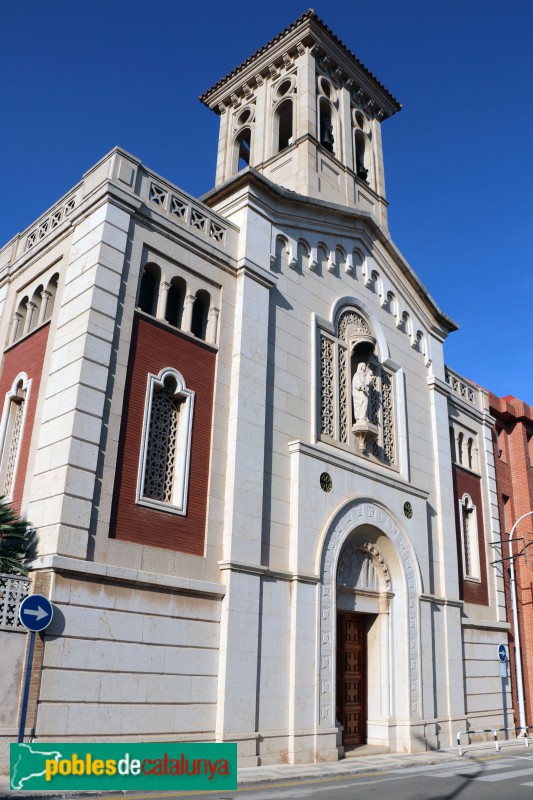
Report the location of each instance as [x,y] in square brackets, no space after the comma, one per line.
[308,30]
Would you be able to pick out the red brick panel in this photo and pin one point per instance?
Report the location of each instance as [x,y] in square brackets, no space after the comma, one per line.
[25,356]
[514,478]
[155,347]
[466,483]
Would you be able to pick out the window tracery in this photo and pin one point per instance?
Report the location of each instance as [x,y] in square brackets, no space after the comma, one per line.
[470,538]
[166,443]
[11,432]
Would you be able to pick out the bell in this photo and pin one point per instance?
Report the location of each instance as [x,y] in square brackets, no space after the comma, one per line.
[327,136]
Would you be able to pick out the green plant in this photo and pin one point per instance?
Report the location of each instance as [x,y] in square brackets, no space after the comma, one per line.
[18,541]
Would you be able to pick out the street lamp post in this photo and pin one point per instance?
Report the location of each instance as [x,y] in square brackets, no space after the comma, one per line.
[512,587]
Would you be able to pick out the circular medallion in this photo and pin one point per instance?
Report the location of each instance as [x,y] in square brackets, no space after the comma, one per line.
[408,510]
[326,482]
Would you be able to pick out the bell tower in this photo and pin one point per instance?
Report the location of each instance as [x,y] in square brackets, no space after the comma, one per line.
[306,113]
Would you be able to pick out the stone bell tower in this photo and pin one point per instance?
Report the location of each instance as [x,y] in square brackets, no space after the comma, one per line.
[307,114]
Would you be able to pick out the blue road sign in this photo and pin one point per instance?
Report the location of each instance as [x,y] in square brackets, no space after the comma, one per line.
[36,612]
[502,653]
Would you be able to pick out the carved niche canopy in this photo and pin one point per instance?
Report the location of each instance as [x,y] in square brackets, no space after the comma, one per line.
[361,566]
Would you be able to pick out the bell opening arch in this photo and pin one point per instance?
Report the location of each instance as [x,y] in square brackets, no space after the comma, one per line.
[368,569]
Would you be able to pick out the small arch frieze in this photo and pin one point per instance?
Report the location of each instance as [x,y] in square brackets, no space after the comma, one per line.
[322,258]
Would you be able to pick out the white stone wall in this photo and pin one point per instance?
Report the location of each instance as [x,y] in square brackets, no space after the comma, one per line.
[483,684]
[70,425]
[129,662]
[245,657]
[297,512]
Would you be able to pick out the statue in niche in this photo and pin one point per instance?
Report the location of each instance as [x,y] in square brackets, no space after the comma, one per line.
[361,383]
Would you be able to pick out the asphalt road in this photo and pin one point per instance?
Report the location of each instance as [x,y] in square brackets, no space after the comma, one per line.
[506,778]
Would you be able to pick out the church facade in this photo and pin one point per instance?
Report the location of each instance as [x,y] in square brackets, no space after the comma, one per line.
[265,505]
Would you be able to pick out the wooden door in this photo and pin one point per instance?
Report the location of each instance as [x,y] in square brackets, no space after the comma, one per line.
[351,678]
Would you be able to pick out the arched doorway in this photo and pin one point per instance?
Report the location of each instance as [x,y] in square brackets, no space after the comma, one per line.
[363,588]
[370,583]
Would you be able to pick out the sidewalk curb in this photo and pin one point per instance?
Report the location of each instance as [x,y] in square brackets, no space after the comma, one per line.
[309,772]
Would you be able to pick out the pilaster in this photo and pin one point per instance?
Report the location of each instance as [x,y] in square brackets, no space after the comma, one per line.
[306,123]
[446,576]
[238,659]
[71,425]
[262,126]
[223,148]
[246,422]
[346,128]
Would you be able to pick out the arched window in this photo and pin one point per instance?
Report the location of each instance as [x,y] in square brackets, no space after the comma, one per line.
[470,454]
[361,158]
[11,432]
[327,124]
[19,319]
[49,296]
[469,534]
[356,392]
[166,443]
[452,443]
[149,289]
[283,125]
[243,146]
[176,302]
[36,303]
[460,440]
[200,312]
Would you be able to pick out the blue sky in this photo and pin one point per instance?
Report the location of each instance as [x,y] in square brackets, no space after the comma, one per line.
[80,78]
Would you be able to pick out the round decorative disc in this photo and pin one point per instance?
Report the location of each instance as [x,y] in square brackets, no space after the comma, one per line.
[408,510]
[325,482]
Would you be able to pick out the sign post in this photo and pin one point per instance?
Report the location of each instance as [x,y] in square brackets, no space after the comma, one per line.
[35,613]
[502,657]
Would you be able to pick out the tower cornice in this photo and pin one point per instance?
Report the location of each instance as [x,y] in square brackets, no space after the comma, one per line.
[278,55]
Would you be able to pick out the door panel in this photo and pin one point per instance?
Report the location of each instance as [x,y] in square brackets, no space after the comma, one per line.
[351,677]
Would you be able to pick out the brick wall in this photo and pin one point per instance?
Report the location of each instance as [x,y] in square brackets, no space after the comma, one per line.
[464,482]
[25,356]
[514,479]
[155,346]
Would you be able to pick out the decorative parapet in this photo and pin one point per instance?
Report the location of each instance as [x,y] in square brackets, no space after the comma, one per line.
[50,221]
[179,207]
[118,173]
[461,387]
[13,590]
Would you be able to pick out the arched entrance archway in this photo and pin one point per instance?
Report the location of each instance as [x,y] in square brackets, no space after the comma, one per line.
[365,522]
[363,588]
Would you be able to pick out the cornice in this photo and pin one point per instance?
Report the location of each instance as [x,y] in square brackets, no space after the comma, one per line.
[258,569]
[369,470]
[100,571]
[307,33]
[250,178]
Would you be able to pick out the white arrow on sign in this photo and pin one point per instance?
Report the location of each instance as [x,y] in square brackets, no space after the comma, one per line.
[39,614]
